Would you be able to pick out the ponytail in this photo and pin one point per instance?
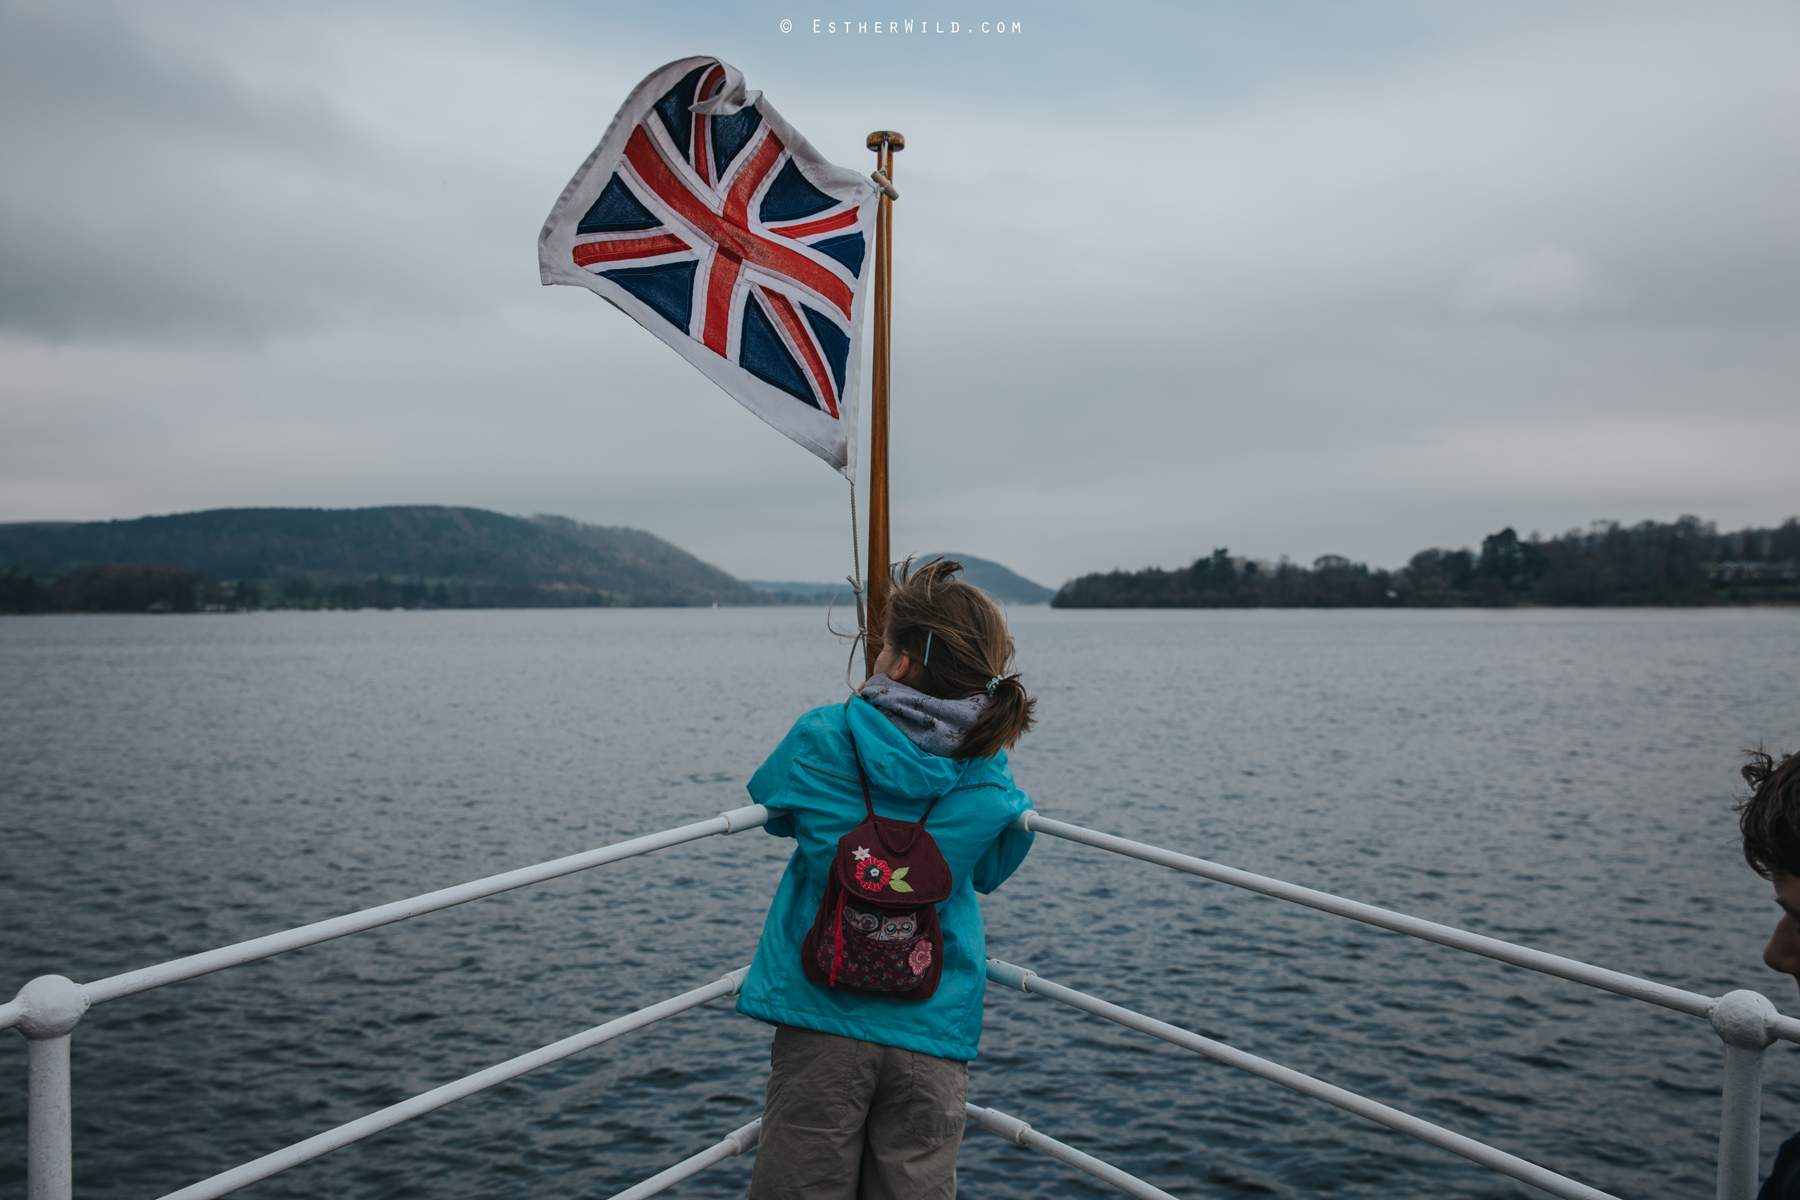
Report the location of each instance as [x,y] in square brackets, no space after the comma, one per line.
[958,637]
[1005,719]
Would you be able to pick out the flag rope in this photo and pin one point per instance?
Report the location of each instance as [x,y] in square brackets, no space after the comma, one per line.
[856,587]
[856,591]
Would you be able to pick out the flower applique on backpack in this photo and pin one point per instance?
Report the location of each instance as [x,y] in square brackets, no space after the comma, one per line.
[877,928]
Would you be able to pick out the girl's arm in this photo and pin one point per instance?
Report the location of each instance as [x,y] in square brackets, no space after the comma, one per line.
[769,786]
[1006,852]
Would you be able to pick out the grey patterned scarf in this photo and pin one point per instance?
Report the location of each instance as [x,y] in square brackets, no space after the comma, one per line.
[933,725]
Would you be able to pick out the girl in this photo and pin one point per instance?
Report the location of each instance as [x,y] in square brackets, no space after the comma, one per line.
[866,1090]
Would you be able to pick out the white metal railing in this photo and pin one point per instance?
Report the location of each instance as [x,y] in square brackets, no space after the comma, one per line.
[1744,1020]
[1691,1003]
[48,1008]
[735,1143]
[992,1120]
[230,1181]
[1498,1160]
[1019,1133]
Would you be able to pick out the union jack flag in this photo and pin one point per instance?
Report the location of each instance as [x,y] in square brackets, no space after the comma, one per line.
[716,226]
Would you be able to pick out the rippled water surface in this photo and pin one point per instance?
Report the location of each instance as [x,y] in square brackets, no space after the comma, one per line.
[168,784]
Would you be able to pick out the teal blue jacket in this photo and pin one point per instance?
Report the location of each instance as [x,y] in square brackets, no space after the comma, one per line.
[811,780]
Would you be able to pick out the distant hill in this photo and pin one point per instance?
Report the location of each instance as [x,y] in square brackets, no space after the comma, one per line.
[1002,584]
[403,555]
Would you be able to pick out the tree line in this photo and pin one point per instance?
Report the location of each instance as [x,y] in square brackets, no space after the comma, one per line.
[1684,562]
[136,588]
[399,556]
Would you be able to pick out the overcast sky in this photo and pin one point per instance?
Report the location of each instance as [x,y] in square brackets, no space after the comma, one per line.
[1292,278]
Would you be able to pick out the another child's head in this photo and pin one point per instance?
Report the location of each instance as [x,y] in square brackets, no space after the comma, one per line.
[1769,818]
[957,641]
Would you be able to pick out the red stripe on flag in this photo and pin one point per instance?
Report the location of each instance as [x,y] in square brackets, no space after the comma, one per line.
[593,252]
[720,282]
[734,241]
[823,225]
[697,143]
[796,328]
[737,201]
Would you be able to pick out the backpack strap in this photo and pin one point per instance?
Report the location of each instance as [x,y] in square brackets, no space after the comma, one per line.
[861,774]
[863,777]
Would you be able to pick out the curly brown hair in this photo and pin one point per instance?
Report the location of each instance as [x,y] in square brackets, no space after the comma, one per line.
[1769,817]
[958,637]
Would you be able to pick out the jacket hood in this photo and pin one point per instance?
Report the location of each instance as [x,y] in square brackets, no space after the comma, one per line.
[894,764]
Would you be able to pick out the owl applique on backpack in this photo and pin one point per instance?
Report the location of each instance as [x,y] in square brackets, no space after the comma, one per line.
[877,928]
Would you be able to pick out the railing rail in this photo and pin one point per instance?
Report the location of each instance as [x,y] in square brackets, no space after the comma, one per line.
[992,1120]
[1488,1156]
[1021,1134]
[226,1182]
[130,983]
[47,1010]
[734,1144]
[1692,1003]
[1746,1021]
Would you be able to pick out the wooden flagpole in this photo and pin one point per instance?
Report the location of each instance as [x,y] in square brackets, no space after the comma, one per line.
[883,142]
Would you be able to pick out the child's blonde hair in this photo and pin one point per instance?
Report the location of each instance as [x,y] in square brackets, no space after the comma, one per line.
[958,638]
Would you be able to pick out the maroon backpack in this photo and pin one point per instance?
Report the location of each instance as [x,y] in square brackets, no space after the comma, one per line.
[877,929]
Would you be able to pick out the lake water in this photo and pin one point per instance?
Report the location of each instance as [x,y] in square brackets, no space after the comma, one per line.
[169,784]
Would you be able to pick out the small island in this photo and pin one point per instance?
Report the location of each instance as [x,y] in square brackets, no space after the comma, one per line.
[1685,562]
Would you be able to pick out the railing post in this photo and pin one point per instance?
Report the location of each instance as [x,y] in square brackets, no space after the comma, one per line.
[1743,1021]
[50,1007]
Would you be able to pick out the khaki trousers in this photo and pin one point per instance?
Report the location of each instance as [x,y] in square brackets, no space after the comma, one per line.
[850,1120]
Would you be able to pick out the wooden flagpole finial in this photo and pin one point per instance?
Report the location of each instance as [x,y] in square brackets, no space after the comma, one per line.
[883,142]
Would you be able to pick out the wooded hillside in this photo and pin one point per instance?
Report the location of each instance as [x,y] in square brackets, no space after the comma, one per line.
[399,556]
[1683,562]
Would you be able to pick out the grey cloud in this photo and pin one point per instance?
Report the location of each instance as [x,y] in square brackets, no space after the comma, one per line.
[1548,280]
[79,72]
[159,190]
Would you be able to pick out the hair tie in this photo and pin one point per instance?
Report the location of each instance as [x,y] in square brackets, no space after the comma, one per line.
[994,683]
[927,661]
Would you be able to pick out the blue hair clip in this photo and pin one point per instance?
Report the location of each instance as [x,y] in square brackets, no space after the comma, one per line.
[994,683]
[927,661]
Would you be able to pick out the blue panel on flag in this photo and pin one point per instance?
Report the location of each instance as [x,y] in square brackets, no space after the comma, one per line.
[834,341]
[791,197]
[729,135]
[617,211]
[668,288]
[847,250]
[762,353]
[673,109]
